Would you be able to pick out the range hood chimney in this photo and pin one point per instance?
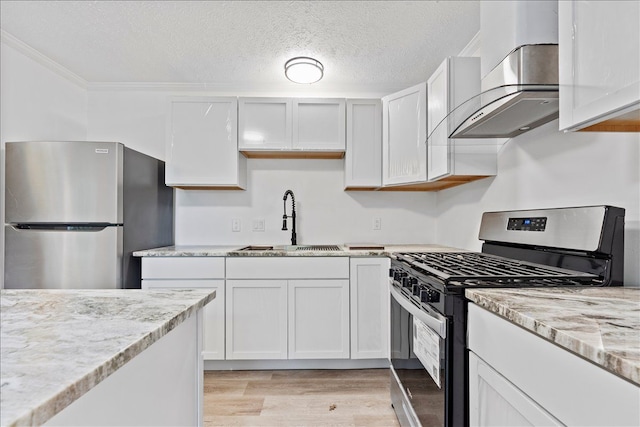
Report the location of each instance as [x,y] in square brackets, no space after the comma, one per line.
[519,94]
[519,71]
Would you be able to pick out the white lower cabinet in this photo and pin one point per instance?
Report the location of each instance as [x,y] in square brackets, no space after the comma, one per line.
[287,308]
[256,321]
[318,319]
[188,273]
[518,378]
[369,308]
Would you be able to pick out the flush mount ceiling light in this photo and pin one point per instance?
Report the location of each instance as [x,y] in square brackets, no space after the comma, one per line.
[304,70]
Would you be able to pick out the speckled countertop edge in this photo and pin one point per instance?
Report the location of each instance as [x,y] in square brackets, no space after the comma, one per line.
[20,405]
[601,325]
[279,251]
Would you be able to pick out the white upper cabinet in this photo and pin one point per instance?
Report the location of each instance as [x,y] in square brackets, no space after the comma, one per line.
[264,123]
[363,157]
[318,124]
[599,65]
[292,127]
[202,144]
[455,161]
[404,135]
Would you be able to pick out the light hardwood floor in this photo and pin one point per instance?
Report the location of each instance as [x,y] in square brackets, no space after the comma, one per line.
[298,398]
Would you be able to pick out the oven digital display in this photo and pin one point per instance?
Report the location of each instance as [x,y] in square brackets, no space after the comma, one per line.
[527,224]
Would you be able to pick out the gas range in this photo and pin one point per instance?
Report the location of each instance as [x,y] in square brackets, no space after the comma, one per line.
[581,246]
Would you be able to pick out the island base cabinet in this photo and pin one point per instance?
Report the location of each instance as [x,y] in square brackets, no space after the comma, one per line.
[494,401]
[571,389]
[318,319]
[162,386]
[256,322]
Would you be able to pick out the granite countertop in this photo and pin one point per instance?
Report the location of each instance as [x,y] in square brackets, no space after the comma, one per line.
[282,251]
[600,324]
[58,344]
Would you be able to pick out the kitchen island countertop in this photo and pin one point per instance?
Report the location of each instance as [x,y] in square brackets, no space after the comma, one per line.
[59,344]
[601,325]
[281,251]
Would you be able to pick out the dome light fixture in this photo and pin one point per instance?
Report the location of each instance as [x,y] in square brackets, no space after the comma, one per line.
[303,70]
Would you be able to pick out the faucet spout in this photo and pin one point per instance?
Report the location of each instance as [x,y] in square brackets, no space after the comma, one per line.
[292,216]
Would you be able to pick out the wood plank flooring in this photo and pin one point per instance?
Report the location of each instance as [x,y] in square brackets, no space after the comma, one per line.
[298,398]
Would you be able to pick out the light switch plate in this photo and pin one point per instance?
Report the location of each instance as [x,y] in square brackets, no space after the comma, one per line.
[235,225]
[258,224]
[377,223]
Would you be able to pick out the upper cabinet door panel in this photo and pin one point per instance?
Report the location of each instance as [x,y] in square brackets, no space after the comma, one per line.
[319,124]
[438,146]
[404,117]
[265,123]
[599,61]
[438,96]
[363,157]
[202,145]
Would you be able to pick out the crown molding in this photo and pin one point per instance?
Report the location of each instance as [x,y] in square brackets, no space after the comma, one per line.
[41,59]
[250,89]
[473,47]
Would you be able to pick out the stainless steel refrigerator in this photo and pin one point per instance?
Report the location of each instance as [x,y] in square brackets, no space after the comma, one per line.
[75,212]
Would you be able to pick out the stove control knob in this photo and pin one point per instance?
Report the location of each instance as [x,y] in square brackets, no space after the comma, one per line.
[416,289]
[406,282]
[429,295]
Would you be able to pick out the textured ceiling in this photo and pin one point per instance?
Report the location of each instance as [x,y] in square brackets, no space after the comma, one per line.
[235,44]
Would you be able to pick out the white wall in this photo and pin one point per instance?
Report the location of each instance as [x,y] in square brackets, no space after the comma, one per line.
[36,104]
[546,168]
[326,213]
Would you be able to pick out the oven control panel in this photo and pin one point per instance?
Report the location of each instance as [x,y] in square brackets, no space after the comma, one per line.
[527,224]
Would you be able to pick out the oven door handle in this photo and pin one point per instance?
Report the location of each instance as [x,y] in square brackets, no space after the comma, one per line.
[432,319]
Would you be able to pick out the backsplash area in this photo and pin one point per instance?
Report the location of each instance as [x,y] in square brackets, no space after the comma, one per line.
[325,213]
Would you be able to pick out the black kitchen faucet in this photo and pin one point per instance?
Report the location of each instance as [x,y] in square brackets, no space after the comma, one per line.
[293,215]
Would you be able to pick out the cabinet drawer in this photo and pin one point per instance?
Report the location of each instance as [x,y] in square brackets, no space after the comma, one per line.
[288,268]
[183,268]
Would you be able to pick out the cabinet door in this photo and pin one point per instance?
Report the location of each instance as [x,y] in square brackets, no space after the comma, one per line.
[494,401]
[202,143]
[265,123]
[256,319]
[363,157]
[318,319]
[369,302]
[319,124]
[599,61]
[438,147]
[213,313]
[404,135]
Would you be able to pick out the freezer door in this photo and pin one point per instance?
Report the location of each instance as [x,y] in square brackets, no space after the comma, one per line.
[63,182]
[76,258]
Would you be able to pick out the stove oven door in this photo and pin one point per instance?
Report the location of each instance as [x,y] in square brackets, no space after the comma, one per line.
[418,362]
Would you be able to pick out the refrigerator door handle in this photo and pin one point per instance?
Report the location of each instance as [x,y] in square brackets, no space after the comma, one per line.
[63,227]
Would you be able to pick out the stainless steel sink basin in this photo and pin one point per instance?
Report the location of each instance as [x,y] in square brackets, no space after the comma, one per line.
[290,248]
[256,248]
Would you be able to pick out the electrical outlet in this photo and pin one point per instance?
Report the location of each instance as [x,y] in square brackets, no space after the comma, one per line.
[258,224]
[377,223]
[235,225]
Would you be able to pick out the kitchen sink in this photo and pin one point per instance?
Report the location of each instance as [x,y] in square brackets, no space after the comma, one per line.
[256,248]
[290,248]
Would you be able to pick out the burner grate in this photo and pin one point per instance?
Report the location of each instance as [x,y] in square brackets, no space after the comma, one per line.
[463,266]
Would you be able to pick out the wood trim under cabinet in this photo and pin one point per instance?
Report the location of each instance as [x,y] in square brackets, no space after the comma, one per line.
[293,154]
[629,122]
[441,184]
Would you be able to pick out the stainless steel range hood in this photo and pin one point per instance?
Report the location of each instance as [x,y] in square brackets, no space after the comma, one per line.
[519,94]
